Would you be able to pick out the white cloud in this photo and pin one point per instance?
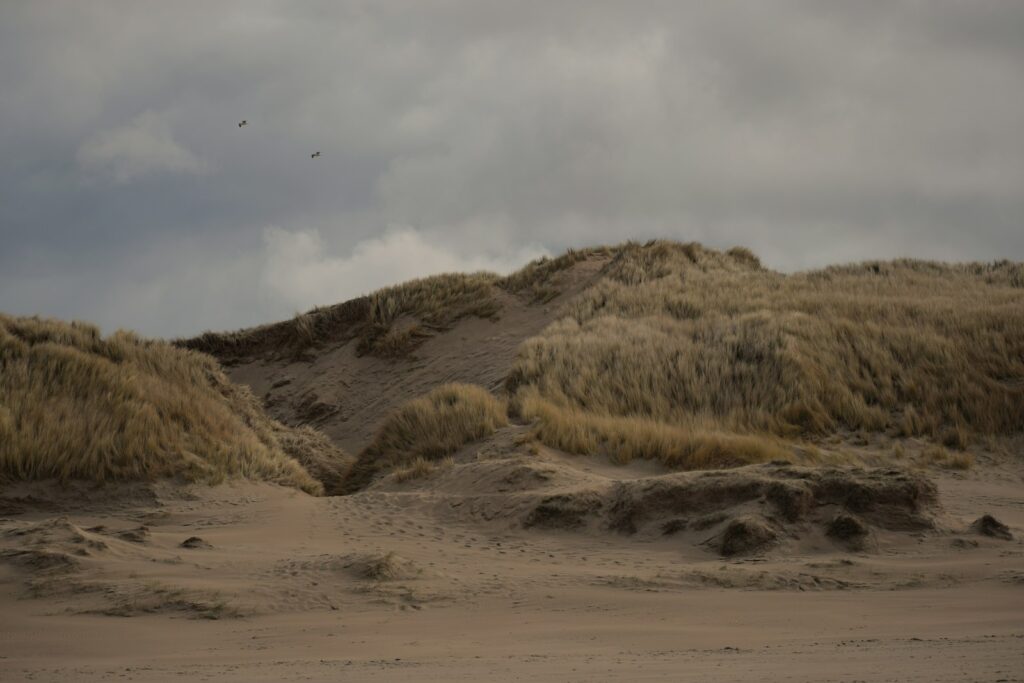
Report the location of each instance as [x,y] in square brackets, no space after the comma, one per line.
[143,146]
[301,272]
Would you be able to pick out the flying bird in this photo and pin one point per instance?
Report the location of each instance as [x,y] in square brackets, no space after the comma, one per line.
[314,155]
[243,122]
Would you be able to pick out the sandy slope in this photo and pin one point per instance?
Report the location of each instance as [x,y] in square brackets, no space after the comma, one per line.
[439,580]
[346,395]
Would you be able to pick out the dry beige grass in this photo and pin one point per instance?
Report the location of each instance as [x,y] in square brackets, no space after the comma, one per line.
[326,462]
[937,456]
[432,303]
[76,405]
[429,428]
[679,336]
[436,301]
[538,278]
[421,468]
[426,305]
[625,439]
[697,357]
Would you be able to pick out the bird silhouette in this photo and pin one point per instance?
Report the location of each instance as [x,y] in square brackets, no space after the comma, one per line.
[314,155]
[243,122]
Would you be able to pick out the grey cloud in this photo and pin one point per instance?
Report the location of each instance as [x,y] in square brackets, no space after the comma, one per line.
[142,146]
[812,132]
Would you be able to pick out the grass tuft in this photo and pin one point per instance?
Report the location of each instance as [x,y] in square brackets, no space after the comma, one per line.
[421,468]
[429,428]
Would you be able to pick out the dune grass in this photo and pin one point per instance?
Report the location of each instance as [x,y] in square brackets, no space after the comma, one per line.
[325,462]
[624,439]
[421,468]
[680,337]
[393,321]
[700,358]
[539,278]
[429,428]
[77,405]
[430,304]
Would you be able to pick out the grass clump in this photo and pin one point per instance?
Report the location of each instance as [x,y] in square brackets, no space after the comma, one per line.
[438,300]
[77,405]
[429,428]
[937,456]
[383,567]
[421,468]
[324,461]
[539,279]
[428,305]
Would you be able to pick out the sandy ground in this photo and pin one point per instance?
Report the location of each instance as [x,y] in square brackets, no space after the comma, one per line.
[426,580]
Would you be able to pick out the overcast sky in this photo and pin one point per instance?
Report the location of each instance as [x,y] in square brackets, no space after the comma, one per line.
[470,134]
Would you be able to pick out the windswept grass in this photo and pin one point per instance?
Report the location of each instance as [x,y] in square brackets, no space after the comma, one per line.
[340,322]
[395,320]
[539,278]
[431,304]
[937,456]
[679,337]
[76,405]
[327,463]
[429,428]
[625,439]
[421,468]
[438,300]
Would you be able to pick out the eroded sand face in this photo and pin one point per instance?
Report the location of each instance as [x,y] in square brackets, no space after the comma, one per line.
[442,579]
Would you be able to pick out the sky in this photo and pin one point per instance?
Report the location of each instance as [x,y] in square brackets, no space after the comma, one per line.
[460,135]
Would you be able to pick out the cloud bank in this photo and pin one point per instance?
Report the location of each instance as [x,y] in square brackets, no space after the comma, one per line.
[811,132]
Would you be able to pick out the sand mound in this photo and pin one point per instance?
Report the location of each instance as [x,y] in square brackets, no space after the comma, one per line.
[565,510]
[132,599]
[987,525]
[749,507]
[58,534]
[47,553]
[387,567]
[101,570]
[889,498]
[848,529]
[195,543]
[746,534]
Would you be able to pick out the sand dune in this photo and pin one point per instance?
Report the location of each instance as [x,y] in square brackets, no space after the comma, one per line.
[645,462]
